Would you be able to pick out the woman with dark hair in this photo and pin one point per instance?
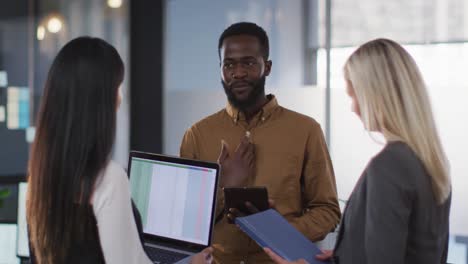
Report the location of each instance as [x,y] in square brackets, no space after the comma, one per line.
[79,207]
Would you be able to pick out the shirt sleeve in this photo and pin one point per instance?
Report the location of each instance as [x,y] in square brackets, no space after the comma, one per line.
[117,229]
[321,212]
[189,149]
[388,209]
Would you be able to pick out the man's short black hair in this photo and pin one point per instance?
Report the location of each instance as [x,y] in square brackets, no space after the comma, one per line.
[246,28]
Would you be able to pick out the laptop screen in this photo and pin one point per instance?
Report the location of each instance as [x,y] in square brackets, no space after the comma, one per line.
[175,200]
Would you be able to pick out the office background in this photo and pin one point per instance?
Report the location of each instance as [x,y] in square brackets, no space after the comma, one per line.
[173,78]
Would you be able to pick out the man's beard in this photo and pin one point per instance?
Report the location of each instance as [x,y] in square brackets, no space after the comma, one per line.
[255,94]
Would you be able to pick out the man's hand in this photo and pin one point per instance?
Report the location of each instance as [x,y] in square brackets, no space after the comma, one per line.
[233,213]
[272,204]
[236,168]
[203,257]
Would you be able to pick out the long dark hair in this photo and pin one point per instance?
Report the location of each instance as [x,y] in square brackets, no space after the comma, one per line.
[74,138]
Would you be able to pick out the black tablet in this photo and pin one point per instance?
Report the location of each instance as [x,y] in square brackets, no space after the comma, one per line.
[237,197]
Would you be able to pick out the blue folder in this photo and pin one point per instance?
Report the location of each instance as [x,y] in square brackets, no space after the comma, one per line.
[269,229]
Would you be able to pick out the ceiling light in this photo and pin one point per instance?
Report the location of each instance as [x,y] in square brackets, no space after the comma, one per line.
[40,32]
[114,3]
[54,25]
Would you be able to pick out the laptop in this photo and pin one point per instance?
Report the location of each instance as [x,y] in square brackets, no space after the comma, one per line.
[176,199]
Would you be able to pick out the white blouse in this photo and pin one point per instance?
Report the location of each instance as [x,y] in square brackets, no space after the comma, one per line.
[112,208]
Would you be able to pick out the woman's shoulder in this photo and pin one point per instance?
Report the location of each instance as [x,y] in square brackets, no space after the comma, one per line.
[398,163]
[113,168]
[396,154]
[112,174]
[112,180]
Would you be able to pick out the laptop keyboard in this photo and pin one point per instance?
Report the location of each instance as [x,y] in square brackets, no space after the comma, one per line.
[162,256]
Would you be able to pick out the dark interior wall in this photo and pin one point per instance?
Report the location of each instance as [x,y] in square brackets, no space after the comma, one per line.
[14,60]
[146,83]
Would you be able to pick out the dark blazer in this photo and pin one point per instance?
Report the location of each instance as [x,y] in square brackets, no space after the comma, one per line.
[392,216]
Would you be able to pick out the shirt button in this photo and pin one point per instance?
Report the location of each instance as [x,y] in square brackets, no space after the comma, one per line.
[242,262]
[263,118]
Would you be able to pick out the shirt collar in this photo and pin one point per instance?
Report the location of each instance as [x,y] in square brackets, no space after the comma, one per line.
[266,110]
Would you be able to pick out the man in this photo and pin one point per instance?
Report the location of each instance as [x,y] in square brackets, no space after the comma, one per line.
[259,143]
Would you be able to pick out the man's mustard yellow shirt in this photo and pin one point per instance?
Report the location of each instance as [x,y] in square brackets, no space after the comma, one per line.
[292,161]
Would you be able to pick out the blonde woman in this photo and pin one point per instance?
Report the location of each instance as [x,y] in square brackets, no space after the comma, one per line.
[399,209]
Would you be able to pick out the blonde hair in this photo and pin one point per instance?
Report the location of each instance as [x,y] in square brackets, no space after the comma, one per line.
[393,99]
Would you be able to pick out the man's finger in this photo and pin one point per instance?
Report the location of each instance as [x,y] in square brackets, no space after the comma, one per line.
[271,203]
[251,207]
[249,156]
[224,152]
[232,214]
[230,218]
[250,150]
[235,212]
[249,146]
[243,146]
[251,162]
